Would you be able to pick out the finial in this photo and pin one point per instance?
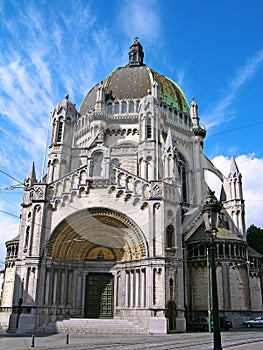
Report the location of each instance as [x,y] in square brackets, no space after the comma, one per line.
[194,108]
[66,96]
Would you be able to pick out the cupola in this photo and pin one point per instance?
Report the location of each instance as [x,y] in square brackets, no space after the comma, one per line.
[136,54]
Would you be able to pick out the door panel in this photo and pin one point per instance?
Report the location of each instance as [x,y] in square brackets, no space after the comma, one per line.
[99,295]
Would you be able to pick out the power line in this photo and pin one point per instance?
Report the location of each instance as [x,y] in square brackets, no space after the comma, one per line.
[11,177]
[11,188]
[235,129]
[7,213]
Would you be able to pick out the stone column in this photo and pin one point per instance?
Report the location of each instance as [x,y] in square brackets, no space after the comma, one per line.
[127,289]
[137,288]
[54,289]
[143,288]
[132,289]
[47,287]
[180,319]
[63,286]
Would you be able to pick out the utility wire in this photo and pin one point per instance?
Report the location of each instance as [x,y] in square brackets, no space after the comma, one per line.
[11,177]
[7,213]
[235,129]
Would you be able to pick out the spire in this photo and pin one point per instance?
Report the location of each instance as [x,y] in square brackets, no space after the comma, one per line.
[31,177]
[136,53]
[234,172]
[169,141]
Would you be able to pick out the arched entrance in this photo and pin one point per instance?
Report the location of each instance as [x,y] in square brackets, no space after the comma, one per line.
[171,315]
[80,233]
[87,250]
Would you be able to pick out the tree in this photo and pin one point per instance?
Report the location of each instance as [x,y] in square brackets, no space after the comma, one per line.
[255,238]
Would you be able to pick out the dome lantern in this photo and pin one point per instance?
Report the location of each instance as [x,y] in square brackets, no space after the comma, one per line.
[136,53]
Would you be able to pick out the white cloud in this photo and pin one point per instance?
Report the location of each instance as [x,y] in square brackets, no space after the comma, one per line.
[180,77]
[220,111]
[247,71]
[251,169]
[140,18]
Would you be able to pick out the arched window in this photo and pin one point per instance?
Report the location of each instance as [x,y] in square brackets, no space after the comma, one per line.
[183,177]
[109,108]
[60,130]
[116,161]
[170,236]
[117,108]
[131,107]
[124,107]
[180,118]
[27,237]
[221,250]
[97,164]
[148,128]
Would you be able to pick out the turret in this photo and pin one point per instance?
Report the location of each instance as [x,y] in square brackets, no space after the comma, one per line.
[149,136]
[199,134]
[64,116]
[64,119]
[234,200]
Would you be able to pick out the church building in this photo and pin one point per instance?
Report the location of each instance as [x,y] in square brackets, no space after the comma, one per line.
[115,230]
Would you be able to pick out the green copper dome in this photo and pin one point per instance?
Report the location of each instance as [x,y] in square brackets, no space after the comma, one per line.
[133,82]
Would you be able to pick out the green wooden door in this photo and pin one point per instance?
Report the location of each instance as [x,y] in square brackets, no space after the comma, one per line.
[99,295]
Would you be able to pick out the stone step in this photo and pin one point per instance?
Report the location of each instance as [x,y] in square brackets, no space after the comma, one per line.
[110,326]
[46,329]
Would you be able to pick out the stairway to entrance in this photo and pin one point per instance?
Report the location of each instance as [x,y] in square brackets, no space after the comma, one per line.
[98,326]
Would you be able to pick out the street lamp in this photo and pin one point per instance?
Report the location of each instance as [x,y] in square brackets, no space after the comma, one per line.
[210,212]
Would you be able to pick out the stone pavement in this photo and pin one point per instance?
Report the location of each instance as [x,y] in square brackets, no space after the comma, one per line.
[251,346]
[233,340]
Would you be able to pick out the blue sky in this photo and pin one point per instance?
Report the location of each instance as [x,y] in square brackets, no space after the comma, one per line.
[212,49]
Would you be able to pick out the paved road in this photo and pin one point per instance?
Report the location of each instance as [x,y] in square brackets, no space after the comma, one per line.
[233,340]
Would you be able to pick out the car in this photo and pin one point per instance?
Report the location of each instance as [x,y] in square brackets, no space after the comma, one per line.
[225,323]
[200,324]
[256,322]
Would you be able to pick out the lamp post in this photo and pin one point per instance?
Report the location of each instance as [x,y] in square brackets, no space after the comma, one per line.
[210,212]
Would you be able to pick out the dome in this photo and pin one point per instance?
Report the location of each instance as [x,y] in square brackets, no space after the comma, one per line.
[65,105]
[133,82]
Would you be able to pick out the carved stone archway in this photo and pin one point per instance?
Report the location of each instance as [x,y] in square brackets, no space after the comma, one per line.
[109,233]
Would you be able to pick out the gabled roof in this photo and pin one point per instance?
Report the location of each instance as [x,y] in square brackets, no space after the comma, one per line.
[253,253]
[201,235]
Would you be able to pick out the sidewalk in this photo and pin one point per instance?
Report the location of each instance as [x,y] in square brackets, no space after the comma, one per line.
[249,346]
[191,341]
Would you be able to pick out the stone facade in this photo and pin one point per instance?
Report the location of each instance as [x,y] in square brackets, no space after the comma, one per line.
[115,227]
